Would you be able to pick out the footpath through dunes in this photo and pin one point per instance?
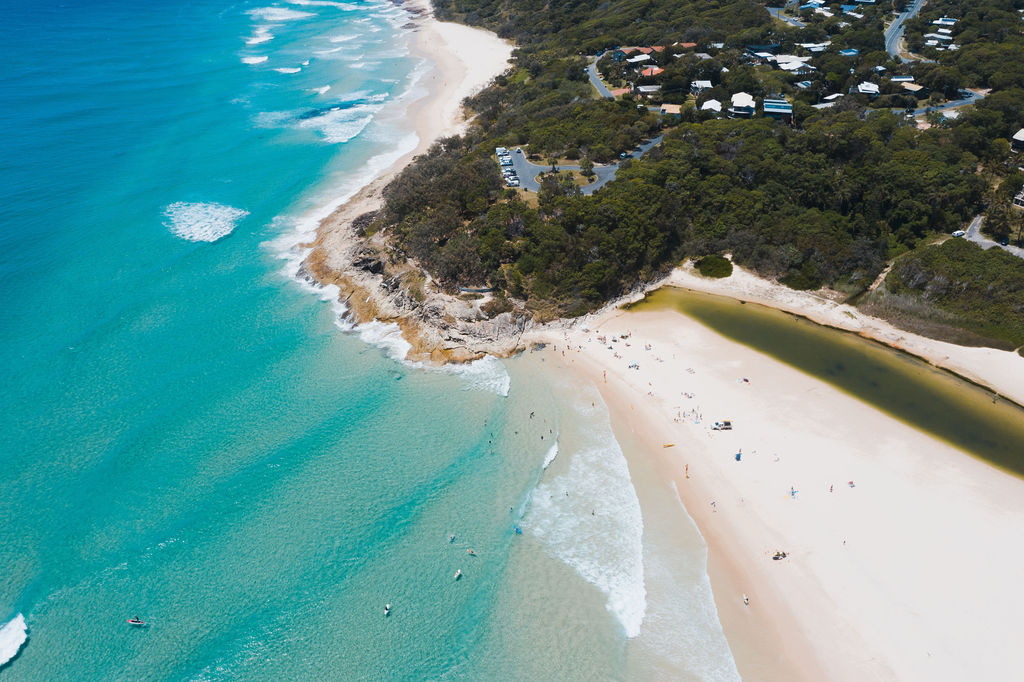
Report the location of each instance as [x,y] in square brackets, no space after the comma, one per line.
[902,558]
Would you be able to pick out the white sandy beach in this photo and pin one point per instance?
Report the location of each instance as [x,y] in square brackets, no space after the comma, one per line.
[912,573]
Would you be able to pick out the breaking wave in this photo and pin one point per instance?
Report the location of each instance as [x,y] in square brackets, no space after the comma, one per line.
[202,222]
[255,60]
[260,34]
[551,454]
[278,14]
[288,69]
[589,518]
[12,638]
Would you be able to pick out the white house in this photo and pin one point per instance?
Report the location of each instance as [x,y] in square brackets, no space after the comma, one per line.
[742,105]
[711,105]
[697,87]
[869,89]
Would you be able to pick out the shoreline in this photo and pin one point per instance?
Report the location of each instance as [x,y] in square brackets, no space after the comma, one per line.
[461,60]
[864,591]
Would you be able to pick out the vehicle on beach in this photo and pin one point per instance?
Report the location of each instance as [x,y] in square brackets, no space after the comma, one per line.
[725,425]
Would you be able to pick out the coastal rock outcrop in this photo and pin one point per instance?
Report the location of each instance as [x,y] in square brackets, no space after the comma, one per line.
[440,327]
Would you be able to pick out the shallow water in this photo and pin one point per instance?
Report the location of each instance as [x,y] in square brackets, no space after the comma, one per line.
[189,437]
[899,384]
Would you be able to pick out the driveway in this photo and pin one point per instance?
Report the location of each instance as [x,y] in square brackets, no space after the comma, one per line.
[974,235]
[528,171]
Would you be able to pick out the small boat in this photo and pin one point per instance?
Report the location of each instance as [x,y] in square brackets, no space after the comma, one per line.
[451,538]
[668,445]
[387,609]
[470,552]
[137,622]
[458,574]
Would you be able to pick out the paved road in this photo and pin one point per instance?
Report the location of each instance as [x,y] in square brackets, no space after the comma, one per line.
[596,81]
[894,33]
[975,96]
[974,235]
[777,12]
[528,171]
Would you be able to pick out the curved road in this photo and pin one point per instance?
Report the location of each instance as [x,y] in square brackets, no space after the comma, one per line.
[777,12]
[974,235]
[975,96]
[596,81]
[528,171]
[894,33]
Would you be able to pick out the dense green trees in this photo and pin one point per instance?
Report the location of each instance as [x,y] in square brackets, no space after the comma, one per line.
[827,201]
[982,291]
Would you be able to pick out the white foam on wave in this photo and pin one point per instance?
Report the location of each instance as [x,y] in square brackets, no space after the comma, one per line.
[278,14]
[341,125]
[288,69]
[324,3]
[343,38]
[486,374]
[605,547]
[255,60]
[551,454]
[12,638]
[260,34]
[322,90]
[323,53]
[202,222]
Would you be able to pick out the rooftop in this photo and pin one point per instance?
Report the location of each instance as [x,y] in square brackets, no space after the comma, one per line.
[742,100]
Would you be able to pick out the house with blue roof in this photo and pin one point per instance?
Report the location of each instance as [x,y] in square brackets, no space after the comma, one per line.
[851,52]
[777,108]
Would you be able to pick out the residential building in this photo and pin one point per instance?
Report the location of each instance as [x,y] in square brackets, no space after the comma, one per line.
[671,110]
[743,105]
[869,89]
[712,105]
[1017,141]
[777,108]
[697,87]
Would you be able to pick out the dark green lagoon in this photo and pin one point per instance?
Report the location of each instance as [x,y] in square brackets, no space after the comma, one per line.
[905,387]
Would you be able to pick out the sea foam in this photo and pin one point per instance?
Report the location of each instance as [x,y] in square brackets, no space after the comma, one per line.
[551,454]
[324,3]
[261,34]
[604,547]
[278,14]
[288,69]
[202,222]
[340,125]
[255,60]
[12,638]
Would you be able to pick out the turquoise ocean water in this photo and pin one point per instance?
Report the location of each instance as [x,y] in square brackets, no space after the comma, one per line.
[188,436]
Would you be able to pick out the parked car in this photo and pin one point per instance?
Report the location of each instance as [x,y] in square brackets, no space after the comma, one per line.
[959,233]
